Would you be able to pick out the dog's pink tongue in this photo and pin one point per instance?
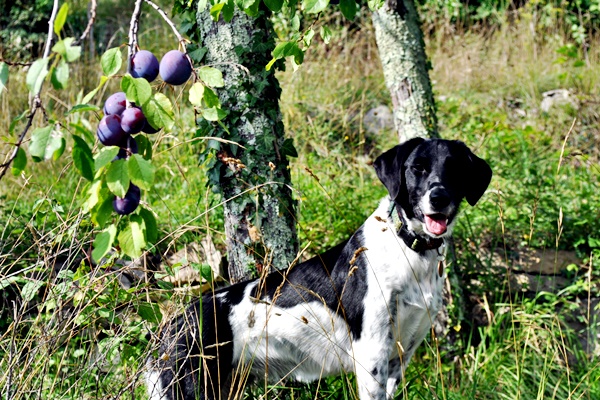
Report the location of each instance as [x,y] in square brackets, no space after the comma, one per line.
[437,226]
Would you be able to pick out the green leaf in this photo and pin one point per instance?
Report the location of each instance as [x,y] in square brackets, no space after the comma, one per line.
[111,61]
[141,171]
[210,98]
[375,4]
[91,94]
[66,49]
[228,9]
[83,158]
[103,242]
[105,156]
[215,11]
[19,163]
[286,49]
[196,93]
[144,146]
[213,114]
[288,149]
[198,54]
[137,90]
[117,178]
[61,18]
[36,74]
[325,33]
[274,5]
[348,8]
[159,111]
[103,211]
[131,239]
[60,75]
[46,143]
[150,227]
[3,76]
[211,76]
[201,5]
[83,108]
[314,6]
[149,312]
[30,289]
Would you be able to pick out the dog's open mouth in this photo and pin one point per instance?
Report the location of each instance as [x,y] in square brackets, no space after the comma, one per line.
[436,223]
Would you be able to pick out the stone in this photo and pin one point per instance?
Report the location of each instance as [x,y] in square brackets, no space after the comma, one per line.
[378,119]
[556,97]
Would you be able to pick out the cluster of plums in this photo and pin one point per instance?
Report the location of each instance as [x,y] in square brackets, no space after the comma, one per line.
[121,120]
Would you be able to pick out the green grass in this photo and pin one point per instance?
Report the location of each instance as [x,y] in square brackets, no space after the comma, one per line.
[81,335]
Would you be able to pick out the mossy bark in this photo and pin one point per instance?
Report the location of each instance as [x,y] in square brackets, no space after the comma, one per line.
[405,68]
[254,180]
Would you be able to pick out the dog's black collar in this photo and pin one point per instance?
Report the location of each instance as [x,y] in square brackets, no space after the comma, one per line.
[416,242]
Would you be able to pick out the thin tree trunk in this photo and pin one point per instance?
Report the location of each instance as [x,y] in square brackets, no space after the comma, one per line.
[405,68]
[259,224]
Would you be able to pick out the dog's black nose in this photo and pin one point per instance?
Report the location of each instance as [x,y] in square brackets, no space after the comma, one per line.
[439,198]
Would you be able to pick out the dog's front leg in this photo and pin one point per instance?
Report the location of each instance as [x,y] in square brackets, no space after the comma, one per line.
[395,372]
[372,371]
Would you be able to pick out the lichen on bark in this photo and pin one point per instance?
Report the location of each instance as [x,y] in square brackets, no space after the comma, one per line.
[259,209]
[405,68]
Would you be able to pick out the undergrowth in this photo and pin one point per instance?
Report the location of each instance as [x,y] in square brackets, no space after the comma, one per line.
[71,330]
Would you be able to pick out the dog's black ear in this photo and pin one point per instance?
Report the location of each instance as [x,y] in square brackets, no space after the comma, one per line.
[388,166]
[479,176]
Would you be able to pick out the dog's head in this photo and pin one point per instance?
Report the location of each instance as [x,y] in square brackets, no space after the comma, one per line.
[427,180]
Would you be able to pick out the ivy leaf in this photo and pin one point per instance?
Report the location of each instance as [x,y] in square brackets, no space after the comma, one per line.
[60,75]
[61,18]
[46,143]
[215,11]
[117,178]
[149,312]
[213,114]
[83,158]
[228,9]
[141,172]
[196,93]
[274,5]
[210,98]
[103,242]
[137,90]
[36,74]
[3,76]
[159,111]
[348,8]
[131,239]
[111,61]
[288,149]
[149,226]
[375,4]
[211,76]
[105,156]
[315,6]
[201,5]
[66,49]
[19,163]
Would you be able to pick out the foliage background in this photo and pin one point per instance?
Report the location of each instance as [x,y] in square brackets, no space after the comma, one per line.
[69,329]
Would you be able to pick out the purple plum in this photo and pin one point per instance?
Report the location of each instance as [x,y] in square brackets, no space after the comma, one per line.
[115,104]
[128,204]
[144,65]
[175,68]
[132,120]
[109,130]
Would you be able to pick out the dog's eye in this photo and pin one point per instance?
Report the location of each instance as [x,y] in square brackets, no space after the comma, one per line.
[419,169]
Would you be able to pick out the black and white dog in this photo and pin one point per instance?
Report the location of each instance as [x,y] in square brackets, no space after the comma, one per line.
[364,306]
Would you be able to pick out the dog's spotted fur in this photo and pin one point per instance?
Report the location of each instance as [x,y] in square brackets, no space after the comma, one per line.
[364,306]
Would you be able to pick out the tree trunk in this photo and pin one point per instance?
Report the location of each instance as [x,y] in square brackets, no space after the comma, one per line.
[259,210]
[405,68]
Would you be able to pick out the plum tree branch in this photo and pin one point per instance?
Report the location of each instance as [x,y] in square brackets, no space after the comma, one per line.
[133,29]
[169,22]
[36,102]
[88,28]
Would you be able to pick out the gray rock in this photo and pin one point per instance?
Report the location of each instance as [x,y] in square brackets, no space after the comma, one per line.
[378,119]
[556,97]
